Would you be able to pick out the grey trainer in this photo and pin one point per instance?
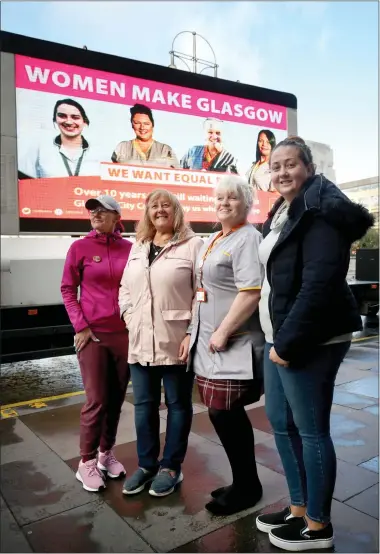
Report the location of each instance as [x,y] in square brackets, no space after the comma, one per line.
[137,481]
[165,482]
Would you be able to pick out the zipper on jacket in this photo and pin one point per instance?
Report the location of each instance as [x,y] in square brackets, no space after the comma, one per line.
[150,291]
[270,301]
[111,273]
[151,301]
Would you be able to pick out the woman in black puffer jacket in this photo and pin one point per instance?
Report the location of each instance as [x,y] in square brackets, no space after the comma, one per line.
[308,315]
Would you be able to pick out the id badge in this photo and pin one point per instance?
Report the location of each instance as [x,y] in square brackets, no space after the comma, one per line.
[201,295]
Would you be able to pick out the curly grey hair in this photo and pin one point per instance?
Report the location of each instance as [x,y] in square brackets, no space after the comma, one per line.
[238,185]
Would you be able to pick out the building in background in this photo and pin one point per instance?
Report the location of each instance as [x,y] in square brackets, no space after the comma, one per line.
[323,158]
[365,192]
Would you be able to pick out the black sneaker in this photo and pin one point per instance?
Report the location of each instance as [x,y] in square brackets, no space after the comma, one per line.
[137,481]
[298,537]
[267,522]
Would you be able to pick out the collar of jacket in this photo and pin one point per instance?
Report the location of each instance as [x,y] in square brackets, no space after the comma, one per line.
[58,142]
[177,239]
[309,198]
[103,237]
[320,196]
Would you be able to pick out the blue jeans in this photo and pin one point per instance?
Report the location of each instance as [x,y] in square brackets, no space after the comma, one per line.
[178,386]
[298,405]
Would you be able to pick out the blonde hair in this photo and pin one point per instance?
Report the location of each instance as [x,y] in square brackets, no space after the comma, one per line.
[145,229]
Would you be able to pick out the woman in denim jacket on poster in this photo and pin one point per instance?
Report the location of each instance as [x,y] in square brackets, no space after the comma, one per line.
[308,315]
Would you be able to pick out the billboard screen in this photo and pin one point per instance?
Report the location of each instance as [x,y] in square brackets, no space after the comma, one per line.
[83,132]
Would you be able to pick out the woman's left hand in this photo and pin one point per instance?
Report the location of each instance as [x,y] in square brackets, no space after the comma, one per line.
[273,356]
[184,349]
[218,341]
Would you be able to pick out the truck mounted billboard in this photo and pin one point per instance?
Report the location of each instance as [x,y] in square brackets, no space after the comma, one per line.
[90,124]
[76,124]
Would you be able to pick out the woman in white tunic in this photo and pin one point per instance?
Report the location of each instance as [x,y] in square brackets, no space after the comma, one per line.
[258,174]
[227,343]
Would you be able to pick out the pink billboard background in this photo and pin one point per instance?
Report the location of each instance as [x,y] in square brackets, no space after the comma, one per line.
[71,80]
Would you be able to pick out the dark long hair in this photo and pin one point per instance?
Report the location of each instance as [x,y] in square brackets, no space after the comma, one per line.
[73,103]
[272,141]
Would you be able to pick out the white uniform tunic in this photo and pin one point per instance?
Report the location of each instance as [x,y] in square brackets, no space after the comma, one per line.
[233,265]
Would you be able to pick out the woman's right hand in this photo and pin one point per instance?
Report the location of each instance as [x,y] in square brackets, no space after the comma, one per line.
[184,349]
[82,338]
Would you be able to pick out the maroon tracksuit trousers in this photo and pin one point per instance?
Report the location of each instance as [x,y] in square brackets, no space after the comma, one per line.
[105,374]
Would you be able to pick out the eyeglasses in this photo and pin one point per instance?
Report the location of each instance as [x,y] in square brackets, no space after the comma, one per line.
[99,211]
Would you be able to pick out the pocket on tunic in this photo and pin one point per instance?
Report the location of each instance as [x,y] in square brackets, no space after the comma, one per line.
[176,315]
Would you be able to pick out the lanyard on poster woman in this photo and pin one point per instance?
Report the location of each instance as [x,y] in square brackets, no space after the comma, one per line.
[68,168]
[201,293]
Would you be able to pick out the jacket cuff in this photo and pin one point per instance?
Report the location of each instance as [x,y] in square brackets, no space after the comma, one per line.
[123,309]
[81,327]
[282,351]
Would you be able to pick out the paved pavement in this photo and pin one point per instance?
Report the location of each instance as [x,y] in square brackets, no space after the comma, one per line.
[44,509]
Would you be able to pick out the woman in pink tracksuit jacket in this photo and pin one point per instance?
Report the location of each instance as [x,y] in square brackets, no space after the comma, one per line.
[95,264]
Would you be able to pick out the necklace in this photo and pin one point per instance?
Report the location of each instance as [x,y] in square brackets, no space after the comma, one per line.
[156,249]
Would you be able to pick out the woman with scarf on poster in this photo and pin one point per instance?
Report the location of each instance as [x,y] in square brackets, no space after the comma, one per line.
[211,156]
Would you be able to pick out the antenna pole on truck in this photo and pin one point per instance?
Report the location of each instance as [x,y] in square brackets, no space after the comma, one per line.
[195,61]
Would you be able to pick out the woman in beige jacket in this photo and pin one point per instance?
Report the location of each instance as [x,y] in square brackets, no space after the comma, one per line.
[156,301]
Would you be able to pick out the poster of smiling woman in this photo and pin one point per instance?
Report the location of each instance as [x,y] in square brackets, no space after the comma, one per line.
[83,132]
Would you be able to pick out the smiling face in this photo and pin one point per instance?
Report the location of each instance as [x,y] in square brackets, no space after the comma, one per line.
[69,120]
[102,220]
[142,126]
[230,208]
[161,214]
[264,145]
[213,137]
[288,171]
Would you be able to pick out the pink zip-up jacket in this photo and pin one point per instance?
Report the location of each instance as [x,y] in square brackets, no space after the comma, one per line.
[95,264]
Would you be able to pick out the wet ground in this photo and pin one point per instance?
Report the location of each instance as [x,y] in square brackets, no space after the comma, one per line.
[44,509]
[21,381]
[35,379]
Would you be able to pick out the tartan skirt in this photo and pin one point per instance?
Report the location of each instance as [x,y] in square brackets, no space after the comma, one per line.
[226,394]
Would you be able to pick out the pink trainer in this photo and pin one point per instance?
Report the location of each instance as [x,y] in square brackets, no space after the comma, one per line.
[107,462]
[90,476]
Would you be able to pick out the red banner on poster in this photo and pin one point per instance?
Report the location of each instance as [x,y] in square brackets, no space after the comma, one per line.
[65,198]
